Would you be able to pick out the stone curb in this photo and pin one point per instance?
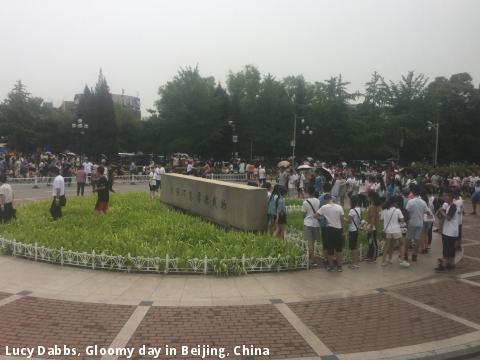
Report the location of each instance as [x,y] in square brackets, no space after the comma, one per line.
[457,352]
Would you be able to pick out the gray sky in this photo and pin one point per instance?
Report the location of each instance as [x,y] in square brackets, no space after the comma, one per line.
[56,47]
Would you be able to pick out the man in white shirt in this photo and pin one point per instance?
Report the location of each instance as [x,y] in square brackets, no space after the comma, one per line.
[311,226]
[161,171]
[449,233]
[292,184]
[333,214]
[262,175]
[58,194]
[458,201]
[7,212]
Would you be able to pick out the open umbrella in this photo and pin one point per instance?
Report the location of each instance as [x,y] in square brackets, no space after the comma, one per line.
[304,167]
[325,172]
[283,163]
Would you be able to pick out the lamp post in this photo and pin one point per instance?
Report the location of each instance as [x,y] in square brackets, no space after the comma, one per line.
[234,138]
[305,131]
[436,127]
[81,126]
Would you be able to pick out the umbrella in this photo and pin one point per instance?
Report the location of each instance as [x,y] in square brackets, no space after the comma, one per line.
[283,163]
[304,167]
[325,172]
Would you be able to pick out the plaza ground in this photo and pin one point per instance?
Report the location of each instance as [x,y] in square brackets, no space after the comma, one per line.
[372,313]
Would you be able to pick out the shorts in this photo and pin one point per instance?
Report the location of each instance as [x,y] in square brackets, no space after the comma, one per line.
[352,239]
[414,232]
[323,230]
[311,233]
[476,197]
[282,218]
[152,187]
[427,225]
[448,243]
[157,184]
[334,240]
[393,235]
[101,206]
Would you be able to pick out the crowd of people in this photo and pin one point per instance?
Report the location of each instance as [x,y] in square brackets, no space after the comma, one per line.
[402,207]
[409,205]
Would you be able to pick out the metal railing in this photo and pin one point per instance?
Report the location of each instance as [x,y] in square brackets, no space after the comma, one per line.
[46,180]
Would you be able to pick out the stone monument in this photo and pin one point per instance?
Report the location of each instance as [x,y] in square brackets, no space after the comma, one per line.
[238,206]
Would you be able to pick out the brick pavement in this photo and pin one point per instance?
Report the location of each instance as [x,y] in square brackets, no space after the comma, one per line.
[32,321]
[259,325]
[466,266]
[373,322]
[475,279]
[473,250]
[451,296]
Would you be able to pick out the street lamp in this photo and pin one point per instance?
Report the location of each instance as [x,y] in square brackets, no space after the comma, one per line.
[81,126]
[305,131]
[234,138]
[436,127]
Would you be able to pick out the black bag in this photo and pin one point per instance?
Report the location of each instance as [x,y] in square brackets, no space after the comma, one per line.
[63,200]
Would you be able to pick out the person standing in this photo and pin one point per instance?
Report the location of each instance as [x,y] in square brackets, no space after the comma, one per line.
[311,226]
[449,215]
[81,179]
[58,194]
[262,175]
[373,219]
[458,201]
[88,166]
[152,183]
[292,183]
[161,171]
[7,212]
[281,216]
[392,218]
[103,191]
[333,214]
[355,220]
[416,208]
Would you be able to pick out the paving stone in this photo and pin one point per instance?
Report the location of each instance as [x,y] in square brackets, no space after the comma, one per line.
[473,251]
[225,326]
[34,321]
[467,266]
[373,322]
[454,297]
[475,278]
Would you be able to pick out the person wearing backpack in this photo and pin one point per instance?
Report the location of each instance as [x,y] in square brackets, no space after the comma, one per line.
[355,219]
[311,226]
[392,218]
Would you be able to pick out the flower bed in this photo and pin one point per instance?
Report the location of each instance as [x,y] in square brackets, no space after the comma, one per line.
[138,234]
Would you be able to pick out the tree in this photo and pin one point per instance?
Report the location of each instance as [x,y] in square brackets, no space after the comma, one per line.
[96,108]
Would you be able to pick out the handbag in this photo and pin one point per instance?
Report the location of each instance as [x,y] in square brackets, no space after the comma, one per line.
[384,235]
[63,200]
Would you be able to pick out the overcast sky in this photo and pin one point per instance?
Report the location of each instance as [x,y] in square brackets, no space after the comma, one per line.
[56,47]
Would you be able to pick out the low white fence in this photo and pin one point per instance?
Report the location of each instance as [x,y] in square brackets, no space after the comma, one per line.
[165,265]
[47,180]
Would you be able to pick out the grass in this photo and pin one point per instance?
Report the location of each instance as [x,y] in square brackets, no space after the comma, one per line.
[138,226]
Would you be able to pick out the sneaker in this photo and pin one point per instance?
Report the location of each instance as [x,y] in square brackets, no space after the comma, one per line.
[354,267]
[405,264]
[371,261]
[330,268]
[384,263]
[339,269]
[414,257]
[390,262]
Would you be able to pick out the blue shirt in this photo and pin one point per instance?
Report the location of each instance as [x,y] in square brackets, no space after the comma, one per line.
[318,183]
